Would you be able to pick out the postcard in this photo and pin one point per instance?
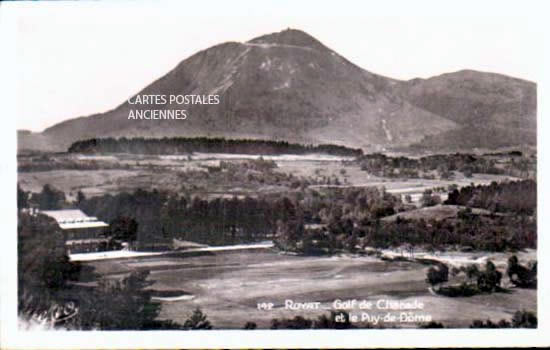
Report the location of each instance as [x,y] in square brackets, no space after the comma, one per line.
[272,174]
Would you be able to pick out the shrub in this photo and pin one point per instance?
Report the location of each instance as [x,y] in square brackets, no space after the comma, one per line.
[489,280]
[250,325]
[197,321]
[520,275]
[521,319]
[462,290]
[330,322]
[524,319]
[432,324]
[298,322]
[438,274]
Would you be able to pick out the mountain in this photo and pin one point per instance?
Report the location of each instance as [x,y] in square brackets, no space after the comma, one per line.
[289,86]
[492,110]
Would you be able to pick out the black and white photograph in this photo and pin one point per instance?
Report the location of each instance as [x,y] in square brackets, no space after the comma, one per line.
[273,166]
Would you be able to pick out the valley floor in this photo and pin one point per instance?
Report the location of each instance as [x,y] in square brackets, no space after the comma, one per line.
[229,285]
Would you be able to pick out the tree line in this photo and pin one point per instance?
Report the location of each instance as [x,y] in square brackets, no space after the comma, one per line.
[443,166]
[520,319]
[186,145]
[349,225]
[518,197]
[161,216]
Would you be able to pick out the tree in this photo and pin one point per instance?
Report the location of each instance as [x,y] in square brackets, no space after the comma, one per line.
[197,320]
[524,319]
[124,228]
[50,198]
[80,197]
[43,267]
[490,324]
[432,324]
[44,270]
[324,321]
[521,319]
[42,260]
[119,305]
[429,199]
[437,274]
[452,187]
[489,280]
[298,322]
[520,275]
[472,272]
[22,198]
[250,325]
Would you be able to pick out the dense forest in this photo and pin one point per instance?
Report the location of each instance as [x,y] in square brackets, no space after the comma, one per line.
[161,216]
[517,197]
[183,145]
[349,227]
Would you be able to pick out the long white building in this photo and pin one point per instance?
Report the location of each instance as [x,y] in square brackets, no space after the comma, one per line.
[82,233]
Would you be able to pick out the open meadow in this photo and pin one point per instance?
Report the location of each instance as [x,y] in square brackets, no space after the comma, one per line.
[126,172]
[229,285]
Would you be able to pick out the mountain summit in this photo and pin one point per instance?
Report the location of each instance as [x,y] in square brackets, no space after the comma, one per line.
[289,86]
[289,37]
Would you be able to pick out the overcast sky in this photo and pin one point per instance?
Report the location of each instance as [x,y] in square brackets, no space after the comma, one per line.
[77,59]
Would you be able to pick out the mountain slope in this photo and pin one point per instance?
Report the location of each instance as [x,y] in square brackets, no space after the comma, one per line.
[289,86]
[493,110]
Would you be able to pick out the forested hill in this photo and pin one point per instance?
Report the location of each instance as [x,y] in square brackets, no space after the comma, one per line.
[184,145]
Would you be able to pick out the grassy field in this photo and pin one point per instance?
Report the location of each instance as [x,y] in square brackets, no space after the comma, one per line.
[228,286]
[177,172]
[437,212]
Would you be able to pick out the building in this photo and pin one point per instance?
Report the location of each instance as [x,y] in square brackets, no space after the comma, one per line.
[82,233]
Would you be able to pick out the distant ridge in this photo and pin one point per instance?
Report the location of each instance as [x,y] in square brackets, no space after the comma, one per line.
[188,145]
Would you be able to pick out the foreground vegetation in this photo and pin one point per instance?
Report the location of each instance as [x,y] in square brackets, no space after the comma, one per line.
[341,320]
[49,293]
[469,280]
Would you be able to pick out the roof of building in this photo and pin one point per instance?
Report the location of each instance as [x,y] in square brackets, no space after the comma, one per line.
[87,240]
[66,214]
[73,219]
[74,225]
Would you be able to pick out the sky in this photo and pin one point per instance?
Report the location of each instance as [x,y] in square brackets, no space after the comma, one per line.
[77,59]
